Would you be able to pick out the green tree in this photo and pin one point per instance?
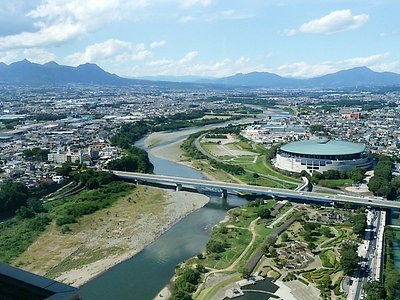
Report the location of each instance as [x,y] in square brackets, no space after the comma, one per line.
[391,281]
[317,128]
[326,231]
[348,258]
[325,282]
[12,196]
[264,213]
[192,276]
[375,290]
[284,237]
[245,273]
[64,170]
[181,295]
[215,246]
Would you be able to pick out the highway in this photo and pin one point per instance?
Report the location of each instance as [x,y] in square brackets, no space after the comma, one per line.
[251,189]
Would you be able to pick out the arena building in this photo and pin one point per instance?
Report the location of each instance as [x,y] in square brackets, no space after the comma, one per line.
[322,155]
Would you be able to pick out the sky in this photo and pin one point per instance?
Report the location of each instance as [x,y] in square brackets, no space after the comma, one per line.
[210,38]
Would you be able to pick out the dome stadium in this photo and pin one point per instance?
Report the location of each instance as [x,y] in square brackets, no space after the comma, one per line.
[322,155]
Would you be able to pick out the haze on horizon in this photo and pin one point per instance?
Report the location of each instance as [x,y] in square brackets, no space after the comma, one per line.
[211,38]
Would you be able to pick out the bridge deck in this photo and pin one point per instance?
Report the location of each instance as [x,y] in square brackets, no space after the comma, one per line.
[275,192]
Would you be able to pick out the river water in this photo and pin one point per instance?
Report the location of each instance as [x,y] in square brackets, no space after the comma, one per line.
[144,275]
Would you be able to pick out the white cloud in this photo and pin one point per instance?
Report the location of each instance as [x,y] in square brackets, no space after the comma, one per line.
[306,70]
[336,21]
[157,44]
[110,50]
[39,56]
[190,65]
[58,21]
[188,58]
[189,3]
[9,56]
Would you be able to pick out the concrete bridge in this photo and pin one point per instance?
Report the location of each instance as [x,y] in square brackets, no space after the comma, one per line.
[225,187]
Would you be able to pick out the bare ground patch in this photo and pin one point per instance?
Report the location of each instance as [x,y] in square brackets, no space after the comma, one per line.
[109,236]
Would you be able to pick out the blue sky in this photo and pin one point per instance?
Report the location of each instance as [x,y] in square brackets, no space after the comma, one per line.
[298,38]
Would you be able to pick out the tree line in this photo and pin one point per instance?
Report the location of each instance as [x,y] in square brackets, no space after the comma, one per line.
[381,184]
[356,174]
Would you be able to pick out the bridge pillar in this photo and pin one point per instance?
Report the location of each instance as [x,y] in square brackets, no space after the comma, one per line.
[138,181]
[178,187]
[224,193]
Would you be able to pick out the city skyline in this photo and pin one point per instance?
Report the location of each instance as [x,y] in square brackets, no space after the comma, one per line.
[203,37]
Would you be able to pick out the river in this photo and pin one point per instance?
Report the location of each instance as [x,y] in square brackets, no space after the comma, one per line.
[145,274]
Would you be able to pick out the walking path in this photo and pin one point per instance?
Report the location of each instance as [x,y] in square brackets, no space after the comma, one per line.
[252,229]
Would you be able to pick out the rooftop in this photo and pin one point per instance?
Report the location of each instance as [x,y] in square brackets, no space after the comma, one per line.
[323,147]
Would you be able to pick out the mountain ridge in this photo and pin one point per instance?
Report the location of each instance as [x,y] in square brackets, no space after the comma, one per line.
[27,72]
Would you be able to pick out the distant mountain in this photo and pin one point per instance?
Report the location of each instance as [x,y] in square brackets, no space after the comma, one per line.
[257,79]
[361,76]
[175,78]
[27,72]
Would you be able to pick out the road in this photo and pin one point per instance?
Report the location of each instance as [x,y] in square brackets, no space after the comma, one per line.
[251,189]
[368,265]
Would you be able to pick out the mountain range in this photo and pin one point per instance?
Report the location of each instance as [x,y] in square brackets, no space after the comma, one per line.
[26,72]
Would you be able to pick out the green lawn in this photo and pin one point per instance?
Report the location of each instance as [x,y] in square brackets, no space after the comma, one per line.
[335,183]
[261,167]
[210,148]
[236,240]
[328,258]
[262,181]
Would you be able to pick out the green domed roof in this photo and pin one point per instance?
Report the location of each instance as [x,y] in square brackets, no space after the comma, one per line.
[323,147]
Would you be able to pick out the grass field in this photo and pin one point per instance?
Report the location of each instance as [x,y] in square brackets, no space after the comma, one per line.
[254,163]
[236,240]
[98,235]
[335,183]
[328,258]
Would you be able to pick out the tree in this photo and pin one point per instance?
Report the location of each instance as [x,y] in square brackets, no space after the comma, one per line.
[25,213]
[357,175]
[192,276]
[264,213]
[182,285]
[92,183]
[215,246]
[312,245]
[64,170]
[245,273]
[325,282]
[12,196]
[392,281]
[201,268]
[317,128]
[359,222]
[374,290]
[326,231]
[284,237]
[180,295]
[348,258]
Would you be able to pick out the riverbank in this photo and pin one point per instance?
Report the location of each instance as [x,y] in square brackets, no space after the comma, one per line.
[108,237]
